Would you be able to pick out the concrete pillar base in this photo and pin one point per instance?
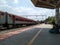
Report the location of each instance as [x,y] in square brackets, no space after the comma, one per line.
[55,29]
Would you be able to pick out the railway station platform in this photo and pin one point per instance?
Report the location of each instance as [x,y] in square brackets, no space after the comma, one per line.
[34,35]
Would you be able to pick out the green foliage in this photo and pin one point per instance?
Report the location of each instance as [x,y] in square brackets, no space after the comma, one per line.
[50,20]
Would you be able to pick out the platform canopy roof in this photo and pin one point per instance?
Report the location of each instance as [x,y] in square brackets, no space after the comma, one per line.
[52,4]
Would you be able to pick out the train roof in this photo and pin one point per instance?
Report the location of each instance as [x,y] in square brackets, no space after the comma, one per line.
[22,18]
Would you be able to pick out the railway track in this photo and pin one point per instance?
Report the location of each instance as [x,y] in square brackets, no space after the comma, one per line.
[3,31]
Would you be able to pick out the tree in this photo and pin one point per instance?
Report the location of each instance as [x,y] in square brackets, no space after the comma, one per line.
[50,20]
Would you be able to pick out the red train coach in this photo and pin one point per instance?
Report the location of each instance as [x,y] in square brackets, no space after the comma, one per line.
[10,20]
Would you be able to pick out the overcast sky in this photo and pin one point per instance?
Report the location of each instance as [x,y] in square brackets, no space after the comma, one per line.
[24,7]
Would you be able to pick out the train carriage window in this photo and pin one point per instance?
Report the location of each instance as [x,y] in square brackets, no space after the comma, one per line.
[17,19]
[1,15]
